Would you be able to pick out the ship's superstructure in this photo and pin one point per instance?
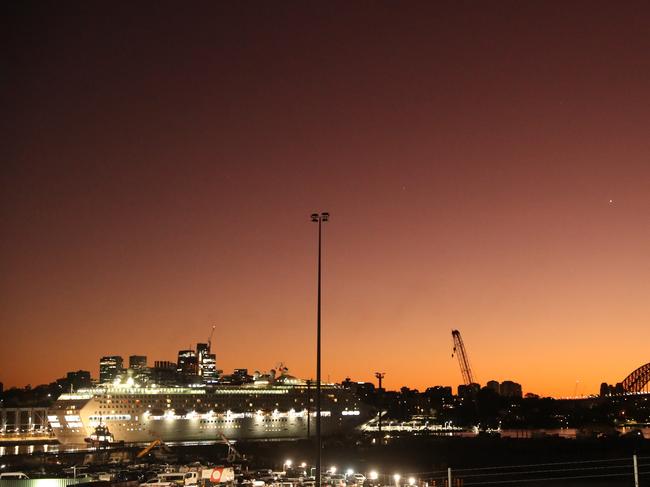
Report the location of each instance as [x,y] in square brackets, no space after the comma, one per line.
[277,408]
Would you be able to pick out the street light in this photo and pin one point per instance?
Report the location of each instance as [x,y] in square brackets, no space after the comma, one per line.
[373,475]
[411,480]
[380,376]
[318,218]
[396,477]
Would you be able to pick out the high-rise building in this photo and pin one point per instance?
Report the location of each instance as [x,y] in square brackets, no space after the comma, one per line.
[605,389]
[469,390]
[494,385]
[439,395]
[138,369]
[207,363]
[138,362]
[110,368]
[187,365]
[208,366]
[202,349]
[510,389]
[79,379]
[164,364]
[163,372]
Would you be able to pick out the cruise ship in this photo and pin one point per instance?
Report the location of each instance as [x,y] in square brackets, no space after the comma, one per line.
[263,409]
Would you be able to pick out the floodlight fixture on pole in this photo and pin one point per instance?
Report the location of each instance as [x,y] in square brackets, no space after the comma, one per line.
[318,218]
[380,376]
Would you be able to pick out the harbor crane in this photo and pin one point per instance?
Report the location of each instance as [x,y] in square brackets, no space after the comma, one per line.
[233,454]
[150,447]
[463,359]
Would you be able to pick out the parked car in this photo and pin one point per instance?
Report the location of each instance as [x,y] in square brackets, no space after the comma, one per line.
[337,480]
[157,483]
[126,476]
[358,478]
[13,476]
[179,478]
[106,476]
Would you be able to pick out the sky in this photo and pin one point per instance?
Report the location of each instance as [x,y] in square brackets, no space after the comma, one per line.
[486,166]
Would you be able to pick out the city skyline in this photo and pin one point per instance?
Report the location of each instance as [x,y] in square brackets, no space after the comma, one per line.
[114,369]
[486,169]
[135,363]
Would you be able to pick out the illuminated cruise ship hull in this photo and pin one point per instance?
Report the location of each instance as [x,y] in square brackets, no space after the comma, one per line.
[136,415]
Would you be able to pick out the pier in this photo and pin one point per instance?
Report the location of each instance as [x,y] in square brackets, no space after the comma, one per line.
[24,424]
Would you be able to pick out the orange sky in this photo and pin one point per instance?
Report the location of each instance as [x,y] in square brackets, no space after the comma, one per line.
[161,166]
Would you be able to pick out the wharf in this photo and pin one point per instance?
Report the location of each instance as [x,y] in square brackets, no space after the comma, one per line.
[28,439]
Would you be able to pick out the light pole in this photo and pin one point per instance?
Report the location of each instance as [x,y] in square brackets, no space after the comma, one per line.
[318,218]
[380,376]
[308,409]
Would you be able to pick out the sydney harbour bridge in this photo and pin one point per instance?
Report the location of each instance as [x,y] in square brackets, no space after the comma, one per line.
[638,380]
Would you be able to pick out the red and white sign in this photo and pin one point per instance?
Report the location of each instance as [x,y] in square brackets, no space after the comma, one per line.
[216,475]
[219,475]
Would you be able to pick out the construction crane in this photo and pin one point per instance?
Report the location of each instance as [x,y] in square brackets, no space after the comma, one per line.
[233,454]
[210,337]
[463,359]
[149,447]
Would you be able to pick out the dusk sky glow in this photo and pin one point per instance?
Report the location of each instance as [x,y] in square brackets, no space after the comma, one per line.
[486,166]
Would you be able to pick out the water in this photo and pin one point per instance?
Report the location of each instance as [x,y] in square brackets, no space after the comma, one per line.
[54,448]
[569,433]
[29,449]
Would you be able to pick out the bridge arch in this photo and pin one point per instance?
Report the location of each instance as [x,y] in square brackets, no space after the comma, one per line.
[638,380]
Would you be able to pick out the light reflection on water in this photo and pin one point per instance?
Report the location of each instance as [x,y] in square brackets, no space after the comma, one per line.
[570,433]
[53,448]
[30,449]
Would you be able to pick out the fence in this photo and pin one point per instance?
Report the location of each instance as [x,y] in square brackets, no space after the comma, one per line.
[41,482]
[628,470]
